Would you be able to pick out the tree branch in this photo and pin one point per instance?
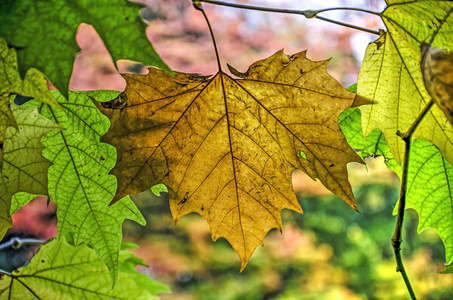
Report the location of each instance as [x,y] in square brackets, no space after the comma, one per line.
[308,13]
[16,243]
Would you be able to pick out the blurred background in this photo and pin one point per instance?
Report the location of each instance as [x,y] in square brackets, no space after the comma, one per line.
[329,252]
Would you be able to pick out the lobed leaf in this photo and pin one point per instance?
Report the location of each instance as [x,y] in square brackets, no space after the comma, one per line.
[225,148]
[391,77]
[43,32]
[24,169]
[372,145]
[429,192]
[79,182]
[61,271]
[34,85]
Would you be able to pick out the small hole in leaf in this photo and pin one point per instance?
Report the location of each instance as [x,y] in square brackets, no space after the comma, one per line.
[302,153]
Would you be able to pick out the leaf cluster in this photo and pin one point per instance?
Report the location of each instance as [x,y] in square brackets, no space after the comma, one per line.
[224,145]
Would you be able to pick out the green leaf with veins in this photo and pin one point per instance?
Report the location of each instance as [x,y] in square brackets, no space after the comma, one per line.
[79,180]
[34,85]
[429,192]
[43,32]
[24,169]
[61,271]
[391,77]
[370,146]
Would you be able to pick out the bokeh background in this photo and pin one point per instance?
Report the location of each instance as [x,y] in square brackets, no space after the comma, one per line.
[329,252]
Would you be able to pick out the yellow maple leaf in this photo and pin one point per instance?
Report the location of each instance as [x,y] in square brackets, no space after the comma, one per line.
[225,148]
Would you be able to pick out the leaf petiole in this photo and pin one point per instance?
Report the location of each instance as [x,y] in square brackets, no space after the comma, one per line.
[308,13]
[197,5]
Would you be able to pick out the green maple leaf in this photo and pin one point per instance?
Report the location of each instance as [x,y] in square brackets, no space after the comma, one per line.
[430,190]
[62,271]
[430,178]
[34,85]
[24,169]
[43,32]
[79,182]
[392,79]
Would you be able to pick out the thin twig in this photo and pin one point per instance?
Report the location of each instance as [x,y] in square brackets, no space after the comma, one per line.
[397,236]
[17,242]
[198,6]
[308,13]
[350,8]
[348,25]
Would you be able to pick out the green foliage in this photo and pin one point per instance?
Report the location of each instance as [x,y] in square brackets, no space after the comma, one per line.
[390,75]
[128,262]
[79,182]
[62,271]
[430,190]
[24,169]
[34,85]
[43,32]
[72,166]
[372,145]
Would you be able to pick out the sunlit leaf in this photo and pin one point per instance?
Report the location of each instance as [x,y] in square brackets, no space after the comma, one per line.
[429,192]
[24,168]
[61,271]
[225,148]
[391,75]
[34,85]
[43,32]
[79,182]
[372,145]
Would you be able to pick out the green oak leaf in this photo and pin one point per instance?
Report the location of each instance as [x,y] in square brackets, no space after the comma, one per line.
[34,85]
[24,169]
[43,32]
[391,77]
[430,190]
[62,271]
[79,180]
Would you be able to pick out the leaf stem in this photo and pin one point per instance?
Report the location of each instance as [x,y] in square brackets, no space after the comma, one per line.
[308,13]
[197,5]
[397,236]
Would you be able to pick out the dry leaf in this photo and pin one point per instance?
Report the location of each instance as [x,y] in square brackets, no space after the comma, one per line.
[226,148]
[437,69]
